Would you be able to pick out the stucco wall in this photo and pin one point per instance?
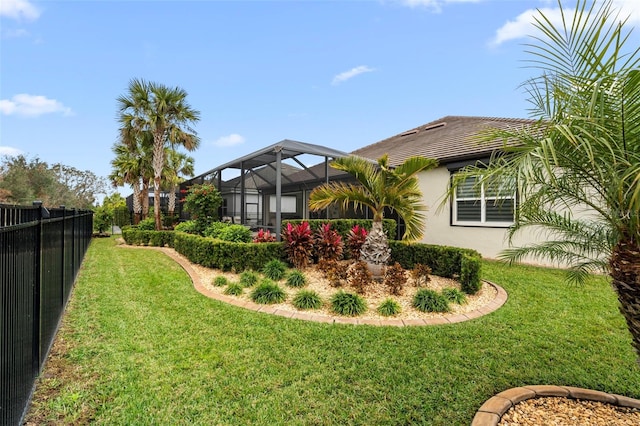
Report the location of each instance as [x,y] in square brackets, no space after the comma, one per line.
[438,229]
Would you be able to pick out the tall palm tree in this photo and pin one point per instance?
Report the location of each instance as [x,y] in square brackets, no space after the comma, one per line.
[380,186]
[577,172]
[163,112]
[178,164]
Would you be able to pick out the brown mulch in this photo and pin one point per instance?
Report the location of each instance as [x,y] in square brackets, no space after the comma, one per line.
[558,411]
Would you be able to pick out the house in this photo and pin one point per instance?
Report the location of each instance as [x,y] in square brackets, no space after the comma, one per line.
[471,219]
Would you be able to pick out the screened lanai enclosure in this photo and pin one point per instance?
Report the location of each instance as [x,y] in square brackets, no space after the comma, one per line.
[261,189]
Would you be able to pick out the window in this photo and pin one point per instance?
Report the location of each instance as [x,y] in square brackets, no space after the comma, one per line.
[483,204]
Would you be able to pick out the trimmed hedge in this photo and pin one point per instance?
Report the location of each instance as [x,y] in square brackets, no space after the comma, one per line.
[139,237]
[343,226]
[444,261]
[226,255]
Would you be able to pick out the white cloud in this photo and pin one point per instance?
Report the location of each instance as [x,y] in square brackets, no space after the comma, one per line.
[231,140]
[434,5]
[522,25]
[344,76]
[9,151]
[19,9]
[32,106]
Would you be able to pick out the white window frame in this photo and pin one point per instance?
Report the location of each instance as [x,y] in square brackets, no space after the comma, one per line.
[483,200]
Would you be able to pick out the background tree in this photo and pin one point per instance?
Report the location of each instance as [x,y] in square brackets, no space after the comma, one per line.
[178,165]
[380,186]
[24,180]
[577,171]
[164,113]
[202,202]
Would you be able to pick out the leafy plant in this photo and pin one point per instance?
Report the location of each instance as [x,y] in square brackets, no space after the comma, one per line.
[234,289]
[214,229]
[395,278]
[349,304]
[389,308]
[148,224]
[421,274]
[454,295]
[328,243]
[220,281]
[307,299]
[268,293]
[264,236]
[248,278]
[427,300]
[335,272]
[274,269]
[298,241]
[202,202]
[188,226]
[355,240]
[359,276]
[235,233]
[296,279]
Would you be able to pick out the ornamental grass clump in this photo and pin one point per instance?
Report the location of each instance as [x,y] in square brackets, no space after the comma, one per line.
[249,278]
[234,289]
[274,269]
[454,295]
[427,300]
[349,304]
[268,293]
[296,279]
[298,242]
[307,299]
[389,308]
[220,281]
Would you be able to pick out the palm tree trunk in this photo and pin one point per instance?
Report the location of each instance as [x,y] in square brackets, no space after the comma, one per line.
[137,202]
[375,249]
[144,198]
[158,165]
[172,201]
[625,271]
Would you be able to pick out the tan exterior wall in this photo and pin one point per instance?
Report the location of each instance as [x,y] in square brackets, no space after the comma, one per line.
[438,229]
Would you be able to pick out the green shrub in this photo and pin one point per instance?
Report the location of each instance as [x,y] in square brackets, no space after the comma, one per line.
[215,229]
[236,233]
[249,278]
[307,299]
[268,292]
[454,295]
[148,224]
[234,289]
[135,236]
[274,269]
[296,279]
[188,226]
[427,300]
[225,255]
[349,304]
[389,308]
[220,281]
[202,202]
[470,273]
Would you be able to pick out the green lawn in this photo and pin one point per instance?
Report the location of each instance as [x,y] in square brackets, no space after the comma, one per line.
[141,346]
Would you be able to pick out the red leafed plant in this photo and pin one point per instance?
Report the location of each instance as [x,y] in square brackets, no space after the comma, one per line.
[264,236]
[355,240]
[298,240]
[328,243]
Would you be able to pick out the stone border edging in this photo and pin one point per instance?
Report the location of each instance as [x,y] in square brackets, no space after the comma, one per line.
[491,412]
[497,302]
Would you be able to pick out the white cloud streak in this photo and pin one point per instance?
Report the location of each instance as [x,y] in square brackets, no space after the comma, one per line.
[522,25]
[434,5]
[9,151]
[230,140]
[19,10]
[32,106]
[344,76]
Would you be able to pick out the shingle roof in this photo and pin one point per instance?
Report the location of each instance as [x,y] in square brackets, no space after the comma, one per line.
[447,140]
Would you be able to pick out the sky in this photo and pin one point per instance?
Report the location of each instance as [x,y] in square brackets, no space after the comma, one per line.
[343,74]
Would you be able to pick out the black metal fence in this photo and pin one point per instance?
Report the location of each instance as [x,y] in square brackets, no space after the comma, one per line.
[40,253]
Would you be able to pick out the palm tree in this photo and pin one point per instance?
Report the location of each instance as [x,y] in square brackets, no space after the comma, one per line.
[380,186]
[164,113]
[577,172]
[178,164]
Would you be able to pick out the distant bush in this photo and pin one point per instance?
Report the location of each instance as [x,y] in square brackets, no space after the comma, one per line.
[148,224]
[188,226]
[236,233]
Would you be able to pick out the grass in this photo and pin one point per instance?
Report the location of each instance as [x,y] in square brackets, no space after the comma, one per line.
[140,346]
